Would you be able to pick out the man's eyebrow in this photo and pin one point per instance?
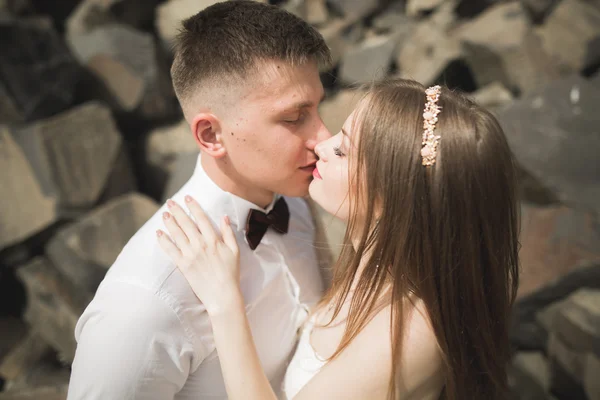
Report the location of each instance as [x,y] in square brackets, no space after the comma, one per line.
[304,104]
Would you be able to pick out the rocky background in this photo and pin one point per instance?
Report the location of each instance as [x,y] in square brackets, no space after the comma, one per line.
[92,141]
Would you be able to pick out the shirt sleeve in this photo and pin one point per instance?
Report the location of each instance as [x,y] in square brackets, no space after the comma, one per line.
[130,345]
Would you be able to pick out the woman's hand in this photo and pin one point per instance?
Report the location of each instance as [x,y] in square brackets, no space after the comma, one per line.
[209,262]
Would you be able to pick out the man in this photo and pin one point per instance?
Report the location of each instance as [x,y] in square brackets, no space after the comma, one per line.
[246,75]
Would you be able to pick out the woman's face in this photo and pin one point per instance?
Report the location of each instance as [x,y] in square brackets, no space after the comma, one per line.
[330,187]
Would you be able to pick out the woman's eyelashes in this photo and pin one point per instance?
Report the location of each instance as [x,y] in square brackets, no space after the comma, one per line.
[338,152]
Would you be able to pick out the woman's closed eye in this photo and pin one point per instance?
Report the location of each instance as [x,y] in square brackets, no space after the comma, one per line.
[338,152]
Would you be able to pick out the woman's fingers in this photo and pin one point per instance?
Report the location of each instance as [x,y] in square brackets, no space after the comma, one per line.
[177,234]
[169,247]
[204,225]
[189,227]
[228,235]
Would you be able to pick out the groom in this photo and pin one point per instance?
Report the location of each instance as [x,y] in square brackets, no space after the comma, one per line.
[246,75]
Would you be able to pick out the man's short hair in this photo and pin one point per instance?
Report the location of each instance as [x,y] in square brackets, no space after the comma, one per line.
[232,37]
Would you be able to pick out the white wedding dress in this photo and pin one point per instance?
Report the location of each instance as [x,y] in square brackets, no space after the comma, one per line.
[305,363]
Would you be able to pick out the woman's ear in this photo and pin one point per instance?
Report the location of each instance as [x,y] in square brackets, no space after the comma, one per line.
[206,129]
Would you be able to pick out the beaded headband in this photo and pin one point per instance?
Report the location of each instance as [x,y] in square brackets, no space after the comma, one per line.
[430,141]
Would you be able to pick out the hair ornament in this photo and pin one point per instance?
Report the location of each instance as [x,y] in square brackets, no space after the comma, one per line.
[430,141]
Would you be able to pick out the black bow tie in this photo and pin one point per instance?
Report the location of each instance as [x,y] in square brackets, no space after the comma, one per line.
[258,222]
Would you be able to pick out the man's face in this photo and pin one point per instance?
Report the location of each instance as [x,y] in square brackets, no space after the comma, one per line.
[271,134]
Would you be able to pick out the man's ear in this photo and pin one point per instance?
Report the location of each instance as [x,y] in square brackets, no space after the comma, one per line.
[206,129]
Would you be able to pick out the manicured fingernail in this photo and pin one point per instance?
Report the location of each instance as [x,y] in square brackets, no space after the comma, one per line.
[227,221]
[188,198]
[170,203]
[159,233]
[166,215]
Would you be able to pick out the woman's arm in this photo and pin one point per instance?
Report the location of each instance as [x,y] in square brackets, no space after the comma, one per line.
[210,263]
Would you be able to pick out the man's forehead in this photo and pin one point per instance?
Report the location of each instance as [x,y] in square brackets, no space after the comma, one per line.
[286,86]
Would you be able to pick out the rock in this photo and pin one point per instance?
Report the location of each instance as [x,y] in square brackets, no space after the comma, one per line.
[36,67]
[53,306]
[591,382]
[170,14]
[414,8]
[335,110]
[84,250]
[9,113]
[533,311]
[500,46]
[335,34]
[369,61]
[316,12]
[426,53]
[125,60]
[532,373]
[576,321]
[553,134]
[12,330]
[501,27]
[554,240]
[163,146]
[571,34]
[566,369]
[23,357]
[47,393]
[494,95]
[183,168]
[74,154]
[538,9]
[28,207]
[355,8]
[391,21]
[92,14]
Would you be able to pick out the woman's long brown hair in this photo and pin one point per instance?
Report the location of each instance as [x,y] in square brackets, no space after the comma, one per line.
[448,234]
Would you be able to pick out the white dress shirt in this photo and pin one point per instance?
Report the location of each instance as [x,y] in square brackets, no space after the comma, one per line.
[146,335]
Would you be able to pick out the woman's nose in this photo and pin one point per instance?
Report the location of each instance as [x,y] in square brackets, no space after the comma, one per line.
[320,151]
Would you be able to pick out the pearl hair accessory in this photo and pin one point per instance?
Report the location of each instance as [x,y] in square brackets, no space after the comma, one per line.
[430,141]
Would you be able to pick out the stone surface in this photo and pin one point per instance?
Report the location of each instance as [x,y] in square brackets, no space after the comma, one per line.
[335,34]
[171,13]
[554,240]
[163,146]
[126,61]
[23,357]
[12,330]
[74,153]
[553,134]
[316,12]
[91,14]
[494,95]
[532,373]
[571,34]
[46,393]
[576,321]
[335,110]
[27,207]
[426,53]
[539,9]
[53,306]
[566,369]
[355,8]
[9,113]
[84,250]
[183,168]
[369,61]
[37,68]
[502,26]
[416,7]
[591,383]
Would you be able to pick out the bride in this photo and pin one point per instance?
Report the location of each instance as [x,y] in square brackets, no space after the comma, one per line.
[422,291]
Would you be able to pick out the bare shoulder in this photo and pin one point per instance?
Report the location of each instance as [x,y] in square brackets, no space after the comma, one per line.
[421,371]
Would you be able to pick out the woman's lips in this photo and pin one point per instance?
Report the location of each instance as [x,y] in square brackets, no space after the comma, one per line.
[316,173]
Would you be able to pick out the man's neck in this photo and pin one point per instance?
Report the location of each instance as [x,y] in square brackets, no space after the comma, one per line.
[222,179]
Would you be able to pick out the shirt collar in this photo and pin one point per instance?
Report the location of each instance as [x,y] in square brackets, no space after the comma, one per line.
[225,203]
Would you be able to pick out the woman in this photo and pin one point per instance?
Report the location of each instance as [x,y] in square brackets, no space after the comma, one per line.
[420,301]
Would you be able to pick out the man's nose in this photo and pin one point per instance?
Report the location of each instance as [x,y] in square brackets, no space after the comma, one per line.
[321,134]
